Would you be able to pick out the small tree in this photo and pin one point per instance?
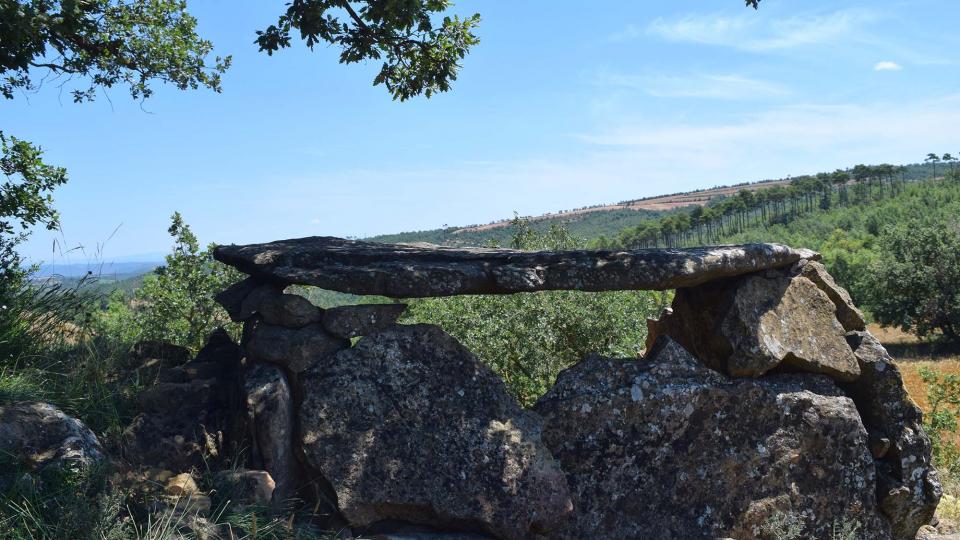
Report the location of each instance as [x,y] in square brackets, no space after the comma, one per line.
[934,159]
[915,282]
[948,158]
[943,394]
[25,201]
[176,302]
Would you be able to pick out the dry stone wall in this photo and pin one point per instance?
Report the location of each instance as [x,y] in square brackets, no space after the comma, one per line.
[762,403]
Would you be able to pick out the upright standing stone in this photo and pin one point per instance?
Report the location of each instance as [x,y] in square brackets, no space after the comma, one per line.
[271,416]
[847,313]
[294,349]
[408,425]
[664,448]
[750,325]
[908,485]
[354,321]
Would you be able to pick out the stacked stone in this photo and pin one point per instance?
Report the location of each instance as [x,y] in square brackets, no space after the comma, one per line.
[188,418]
[761,406]
[285,335]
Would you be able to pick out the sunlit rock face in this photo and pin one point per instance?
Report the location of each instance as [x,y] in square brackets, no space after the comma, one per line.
[749,326]
[36,435]
[424,270]
[408,425]
[664,448]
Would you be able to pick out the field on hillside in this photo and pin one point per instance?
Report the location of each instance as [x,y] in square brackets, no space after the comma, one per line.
[653,204]
[603,220]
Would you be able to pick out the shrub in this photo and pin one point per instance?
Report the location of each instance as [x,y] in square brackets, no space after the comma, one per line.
[176,304]
[941,422]
[915,282]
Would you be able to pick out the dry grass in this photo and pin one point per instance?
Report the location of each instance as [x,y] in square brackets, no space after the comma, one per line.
[657,204]
[911,355]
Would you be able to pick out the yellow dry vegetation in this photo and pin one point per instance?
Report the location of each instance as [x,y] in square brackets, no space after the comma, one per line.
[912,355]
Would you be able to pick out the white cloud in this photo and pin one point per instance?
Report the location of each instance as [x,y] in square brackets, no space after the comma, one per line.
[724,87]
[752,33]
[783,141]
[887,66]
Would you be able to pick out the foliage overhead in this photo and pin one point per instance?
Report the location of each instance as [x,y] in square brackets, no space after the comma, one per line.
[106,43]
[420,54]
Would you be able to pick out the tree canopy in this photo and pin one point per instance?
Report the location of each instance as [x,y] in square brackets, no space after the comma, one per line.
[420,55]
[916,283]
[104,42]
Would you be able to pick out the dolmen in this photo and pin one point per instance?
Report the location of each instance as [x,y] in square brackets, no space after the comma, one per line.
[762,407]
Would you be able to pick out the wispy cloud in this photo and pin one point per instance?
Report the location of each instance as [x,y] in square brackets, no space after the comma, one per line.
[788,138]
[723,87]
[751,33]
[626,160]
[887,66]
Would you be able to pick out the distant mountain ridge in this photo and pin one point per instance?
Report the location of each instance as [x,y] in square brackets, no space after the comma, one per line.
[114,269]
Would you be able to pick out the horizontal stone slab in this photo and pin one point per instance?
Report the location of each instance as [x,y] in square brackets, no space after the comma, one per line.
[425,270]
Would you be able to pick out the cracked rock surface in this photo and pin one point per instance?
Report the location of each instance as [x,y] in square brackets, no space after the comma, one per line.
[664,448]
[409,425]
[424,270]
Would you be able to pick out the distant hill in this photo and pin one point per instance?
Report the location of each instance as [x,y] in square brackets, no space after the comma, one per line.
[109,270]
[584,224]
[589,223]
[602,220]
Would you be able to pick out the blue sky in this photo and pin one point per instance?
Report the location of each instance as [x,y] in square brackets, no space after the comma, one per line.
[563,104]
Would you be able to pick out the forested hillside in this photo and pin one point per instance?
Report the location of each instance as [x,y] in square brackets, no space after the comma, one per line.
[587,225]
[612,224]
[842,215]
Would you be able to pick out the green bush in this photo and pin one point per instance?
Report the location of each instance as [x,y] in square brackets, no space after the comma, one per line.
[915,282]
[529,338]
[175,304]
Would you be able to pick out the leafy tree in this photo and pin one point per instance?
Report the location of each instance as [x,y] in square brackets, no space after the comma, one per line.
[176,303]
[24,202]
[915,282]
[948,158]
[25,198]
[419,56]
[98,44]
[105,43]
[529,337]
